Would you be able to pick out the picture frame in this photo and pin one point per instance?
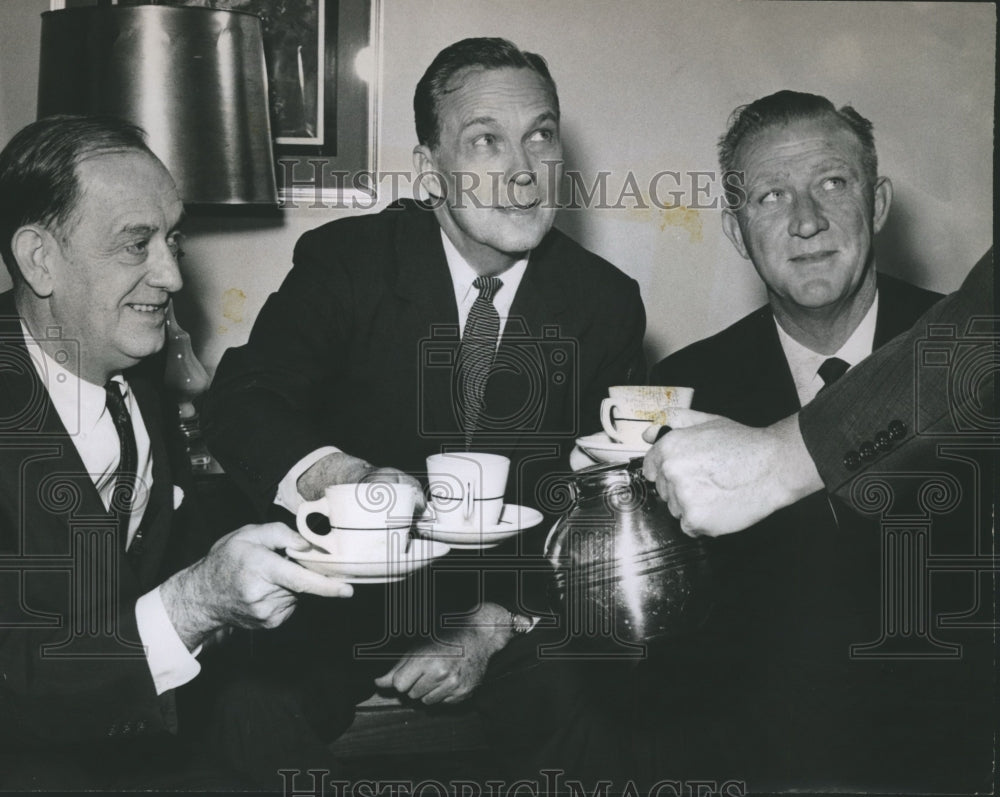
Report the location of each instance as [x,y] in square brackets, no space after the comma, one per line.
[324,72]
[337,166]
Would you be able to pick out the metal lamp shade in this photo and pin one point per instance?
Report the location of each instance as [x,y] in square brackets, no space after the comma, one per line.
[193,78]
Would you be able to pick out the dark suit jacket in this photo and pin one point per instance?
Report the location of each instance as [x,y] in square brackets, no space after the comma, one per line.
[742,373]
[887,387]
[71,670]
[798,589]
[357,350]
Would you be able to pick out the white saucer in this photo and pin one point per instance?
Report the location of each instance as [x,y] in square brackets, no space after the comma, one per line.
[513,520]
[604,449]
[392,568]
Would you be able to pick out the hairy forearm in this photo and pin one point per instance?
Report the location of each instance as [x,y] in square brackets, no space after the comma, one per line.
[494,625]
[188,609]
[339,468]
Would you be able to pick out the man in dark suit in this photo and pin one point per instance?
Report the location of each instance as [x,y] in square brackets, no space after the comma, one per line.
[723,476]
[357,360]
[804,585]
[804,213]
[895,416]
[104,606]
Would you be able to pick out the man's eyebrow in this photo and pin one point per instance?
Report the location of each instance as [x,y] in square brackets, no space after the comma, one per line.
[837,163]
[137,229]
[479,120]
[547,116]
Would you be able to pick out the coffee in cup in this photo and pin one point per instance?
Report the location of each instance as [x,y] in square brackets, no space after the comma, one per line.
[631,409]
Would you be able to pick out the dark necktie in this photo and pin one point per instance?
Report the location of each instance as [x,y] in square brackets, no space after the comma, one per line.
[124,490]
[831,370]
[476,354]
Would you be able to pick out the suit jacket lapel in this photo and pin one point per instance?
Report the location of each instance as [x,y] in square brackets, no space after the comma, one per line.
[22,388]
[769,392]
[39,427]
[423,281]
[894,314]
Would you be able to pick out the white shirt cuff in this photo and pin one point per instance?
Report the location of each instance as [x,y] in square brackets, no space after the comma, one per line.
[288,496]
[170,663]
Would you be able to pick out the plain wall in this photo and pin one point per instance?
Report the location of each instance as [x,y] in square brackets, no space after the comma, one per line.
[647,87]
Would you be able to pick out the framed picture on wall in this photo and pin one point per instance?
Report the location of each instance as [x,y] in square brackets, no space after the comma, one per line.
[323,61]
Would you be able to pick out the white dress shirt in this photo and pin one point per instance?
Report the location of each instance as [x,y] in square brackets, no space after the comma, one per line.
[804,363]
[81,406]
[462,277]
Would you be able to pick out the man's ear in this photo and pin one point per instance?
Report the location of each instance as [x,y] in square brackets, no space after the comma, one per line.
[883,199]
[34,247]
[427,172]
[731,227]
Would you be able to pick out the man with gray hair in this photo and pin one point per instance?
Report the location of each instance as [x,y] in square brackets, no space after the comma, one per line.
[104,603]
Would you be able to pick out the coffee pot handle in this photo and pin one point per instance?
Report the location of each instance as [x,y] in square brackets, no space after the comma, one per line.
[635,464]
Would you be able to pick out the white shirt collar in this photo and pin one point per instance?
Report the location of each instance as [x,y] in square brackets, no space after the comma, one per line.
[463,275]
[804,363]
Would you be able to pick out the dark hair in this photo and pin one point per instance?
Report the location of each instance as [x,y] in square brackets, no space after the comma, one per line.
[467,54]
[38,177]
[789,106]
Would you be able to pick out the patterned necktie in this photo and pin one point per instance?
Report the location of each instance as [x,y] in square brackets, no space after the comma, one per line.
[476,354]
[124,490]
[831,370]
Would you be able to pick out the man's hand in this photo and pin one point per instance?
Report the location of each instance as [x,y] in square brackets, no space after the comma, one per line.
[449,670]
[341,468]
[718,476]
[243,582]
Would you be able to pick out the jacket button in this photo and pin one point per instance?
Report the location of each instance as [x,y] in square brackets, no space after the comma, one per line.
[897,430]
[866,451]
[883,442]
[852,460]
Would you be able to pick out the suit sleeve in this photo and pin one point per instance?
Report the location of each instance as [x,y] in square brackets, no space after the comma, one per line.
[71,668]
[260,412]
[621,327]
[891,410]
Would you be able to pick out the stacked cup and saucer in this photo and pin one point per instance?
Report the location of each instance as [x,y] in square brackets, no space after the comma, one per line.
[466,508]
[370,539]
[627,412]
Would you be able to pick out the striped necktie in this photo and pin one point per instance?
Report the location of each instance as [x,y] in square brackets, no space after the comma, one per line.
[123,493]
[476,354]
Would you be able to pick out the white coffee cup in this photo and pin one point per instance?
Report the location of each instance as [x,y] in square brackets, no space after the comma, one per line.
[466,488]
[369,521]
[631,409]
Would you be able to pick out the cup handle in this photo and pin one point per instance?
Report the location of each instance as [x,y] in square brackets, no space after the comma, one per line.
[306,508]
[607,410]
